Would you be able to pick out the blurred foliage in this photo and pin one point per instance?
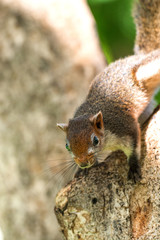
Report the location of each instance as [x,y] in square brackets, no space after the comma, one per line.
[115,27]
[157,97]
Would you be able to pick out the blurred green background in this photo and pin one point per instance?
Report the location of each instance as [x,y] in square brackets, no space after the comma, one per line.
[115,27]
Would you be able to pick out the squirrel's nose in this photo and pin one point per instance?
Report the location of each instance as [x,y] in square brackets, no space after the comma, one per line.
[81,161]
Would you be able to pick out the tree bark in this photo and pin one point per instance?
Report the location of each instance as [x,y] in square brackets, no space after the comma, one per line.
[104,205]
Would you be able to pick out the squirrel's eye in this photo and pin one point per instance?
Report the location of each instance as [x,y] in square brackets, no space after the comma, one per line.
[95,141]
[67,147]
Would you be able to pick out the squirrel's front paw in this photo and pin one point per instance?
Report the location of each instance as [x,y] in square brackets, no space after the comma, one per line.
[134,173]
[134,168]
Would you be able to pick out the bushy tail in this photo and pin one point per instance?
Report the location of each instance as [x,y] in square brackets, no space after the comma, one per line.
[147,76]
[147,19]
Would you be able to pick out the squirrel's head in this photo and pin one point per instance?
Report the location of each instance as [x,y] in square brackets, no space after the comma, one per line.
[84,138]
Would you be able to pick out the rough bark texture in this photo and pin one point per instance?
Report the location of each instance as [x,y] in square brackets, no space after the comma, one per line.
[47,55]
[104,205]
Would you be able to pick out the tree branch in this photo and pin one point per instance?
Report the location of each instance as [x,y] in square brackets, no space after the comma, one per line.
[104,205]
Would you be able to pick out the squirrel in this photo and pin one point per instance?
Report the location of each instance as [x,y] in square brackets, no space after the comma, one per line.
[108,119]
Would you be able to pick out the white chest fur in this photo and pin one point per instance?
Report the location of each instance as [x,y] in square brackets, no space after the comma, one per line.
[113,143]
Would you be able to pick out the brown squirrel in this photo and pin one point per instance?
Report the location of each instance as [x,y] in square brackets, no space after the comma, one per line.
[108,118]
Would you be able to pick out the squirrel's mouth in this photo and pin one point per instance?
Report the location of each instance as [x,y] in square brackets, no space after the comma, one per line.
[86,166]
[85,163]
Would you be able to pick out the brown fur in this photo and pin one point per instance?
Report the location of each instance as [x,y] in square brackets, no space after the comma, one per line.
[119,94]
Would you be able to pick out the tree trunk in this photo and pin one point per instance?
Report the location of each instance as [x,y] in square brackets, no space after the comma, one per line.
[104,205]
[47,58]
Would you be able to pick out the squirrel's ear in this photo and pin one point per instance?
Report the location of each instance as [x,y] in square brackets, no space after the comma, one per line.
[62,126]
[97,121]
[148,71]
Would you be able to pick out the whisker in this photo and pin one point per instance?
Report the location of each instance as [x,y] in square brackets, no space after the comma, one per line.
[61,170]
[60,160]
[63,175]
[55,167]
[60,164]
[69,172]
